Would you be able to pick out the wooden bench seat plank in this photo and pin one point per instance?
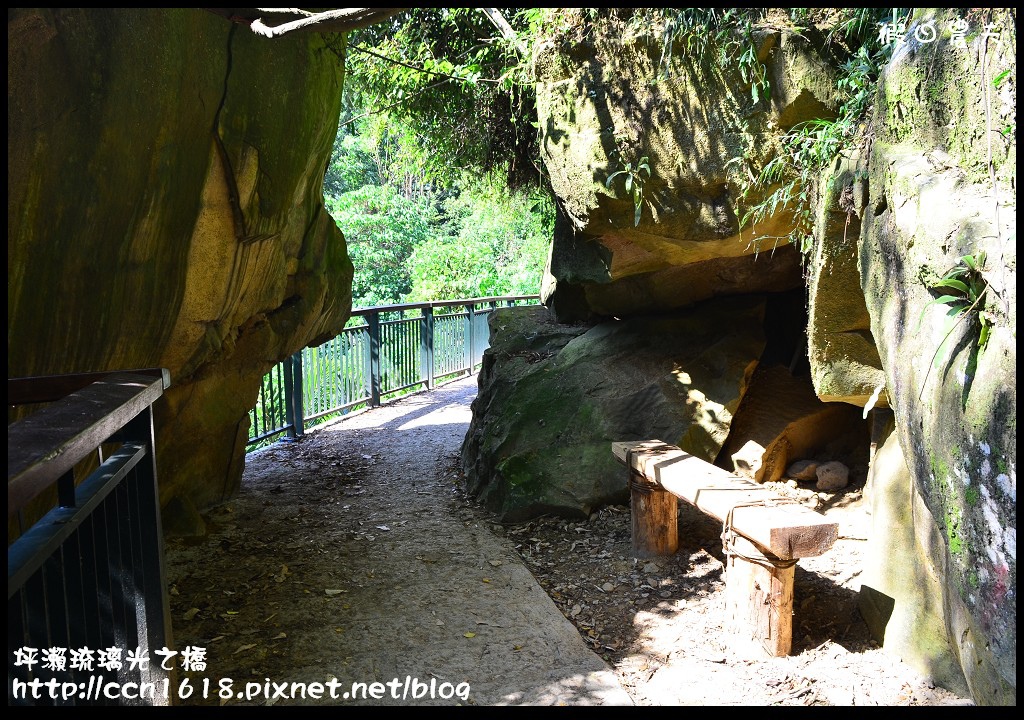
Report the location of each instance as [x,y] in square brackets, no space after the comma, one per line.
[785,529]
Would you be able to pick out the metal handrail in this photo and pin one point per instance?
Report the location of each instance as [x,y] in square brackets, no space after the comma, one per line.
[444,303]
[366,364]
[44,446]
[89,573]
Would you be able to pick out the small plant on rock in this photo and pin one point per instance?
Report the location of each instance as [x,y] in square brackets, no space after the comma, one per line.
[635,177]
[964,289]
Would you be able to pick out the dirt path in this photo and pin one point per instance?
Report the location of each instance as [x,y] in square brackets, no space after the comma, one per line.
[347,556]
[354,555]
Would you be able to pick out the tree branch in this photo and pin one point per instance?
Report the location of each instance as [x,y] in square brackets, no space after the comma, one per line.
[417,68]
[395,104]
[495,16]
[338,20]
[287,11]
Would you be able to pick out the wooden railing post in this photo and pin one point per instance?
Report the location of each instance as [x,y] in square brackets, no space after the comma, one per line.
[373,326]
[427,346]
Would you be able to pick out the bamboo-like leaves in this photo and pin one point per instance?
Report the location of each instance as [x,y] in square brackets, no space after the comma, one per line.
[635,177]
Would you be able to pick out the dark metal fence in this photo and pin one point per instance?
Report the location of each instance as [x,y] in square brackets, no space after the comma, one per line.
[88,576]
[388,351]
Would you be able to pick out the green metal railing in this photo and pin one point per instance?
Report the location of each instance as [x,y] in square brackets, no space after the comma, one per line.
[387,351]
[87,567]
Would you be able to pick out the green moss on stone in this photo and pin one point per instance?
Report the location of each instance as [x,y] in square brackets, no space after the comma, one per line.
[953,517]
[972,496]
[955,545]
[521,474]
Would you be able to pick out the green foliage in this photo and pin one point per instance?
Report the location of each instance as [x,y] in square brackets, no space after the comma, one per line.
[729,30]
[972,495]
[634,179]
[458,87]
[858,77]
[956,545]
[806,149]
[788,181]
[964,289]
[492,243]
[381,227]
[354,163]
[997,82]
[443,268]
[859,26]
[411,239]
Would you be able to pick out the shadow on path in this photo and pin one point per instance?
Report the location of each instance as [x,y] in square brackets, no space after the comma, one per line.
[345,559]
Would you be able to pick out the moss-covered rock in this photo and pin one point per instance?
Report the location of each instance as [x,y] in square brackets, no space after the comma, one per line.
[804,77]
[554,397]
[901,595]
[609,97]
[941,180]
[934,181]
[164,196]
[844,360]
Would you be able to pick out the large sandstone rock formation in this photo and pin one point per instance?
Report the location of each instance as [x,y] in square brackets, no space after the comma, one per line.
[607,100]
[841,349]
[783,416]
[902,595]
[934,182]
[941,184]
[164,197]
[554,397]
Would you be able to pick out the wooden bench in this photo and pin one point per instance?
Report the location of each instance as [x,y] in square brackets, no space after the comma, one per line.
[763,534]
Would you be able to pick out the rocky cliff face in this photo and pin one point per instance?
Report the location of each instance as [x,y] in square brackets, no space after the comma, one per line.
[164,198]
[933,182]
[649,149]
[941,176]
[632,239]
[552,397]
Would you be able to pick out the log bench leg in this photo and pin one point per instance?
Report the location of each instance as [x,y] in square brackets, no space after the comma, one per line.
[759,597]
[655,518]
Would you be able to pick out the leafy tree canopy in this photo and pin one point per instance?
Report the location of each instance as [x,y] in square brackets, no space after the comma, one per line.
[381,227]
[434,178]
[494,243]
[458,86]
[413,240]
